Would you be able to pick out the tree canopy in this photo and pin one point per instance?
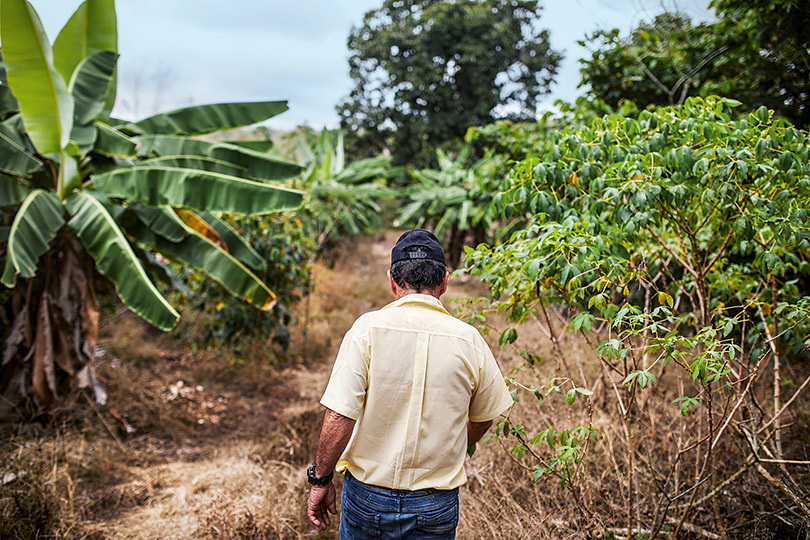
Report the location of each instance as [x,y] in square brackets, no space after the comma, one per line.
[757,52]
[424,71]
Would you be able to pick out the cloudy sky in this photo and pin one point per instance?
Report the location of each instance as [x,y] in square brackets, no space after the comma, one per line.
[180,52]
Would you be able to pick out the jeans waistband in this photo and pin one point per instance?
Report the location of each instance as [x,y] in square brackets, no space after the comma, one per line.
[395,492]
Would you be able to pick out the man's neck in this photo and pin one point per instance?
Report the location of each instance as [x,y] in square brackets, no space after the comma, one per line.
[405,292]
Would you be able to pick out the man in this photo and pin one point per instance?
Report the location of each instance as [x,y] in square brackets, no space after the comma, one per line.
[411,389]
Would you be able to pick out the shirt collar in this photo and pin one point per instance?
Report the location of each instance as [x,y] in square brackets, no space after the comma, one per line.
[426,300]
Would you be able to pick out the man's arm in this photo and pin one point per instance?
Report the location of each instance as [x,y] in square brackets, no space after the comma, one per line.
[335,434]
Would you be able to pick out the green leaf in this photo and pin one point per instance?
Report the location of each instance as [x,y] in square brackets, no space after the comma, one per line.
[89,85]
[198,190]
[38,219]
[11,191]
[5,230]
[256,165]
[8,104]
[161,221]
[201,119]
[256,146]
[219,264]
[69,172]
[91,29]
[194,162]
[14,159]
[113,143]
[84,137]
[571,396]
[45,105]
[114,257]
[507,336]
[237,246]
[534,269]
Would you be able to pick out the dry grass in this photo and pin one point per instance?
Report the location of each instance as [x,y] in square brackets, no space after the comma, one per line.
[192,445]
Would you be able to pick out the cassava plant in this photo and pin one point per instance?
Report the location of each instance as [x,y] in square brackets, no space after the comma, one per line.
[677,246]
[82,193]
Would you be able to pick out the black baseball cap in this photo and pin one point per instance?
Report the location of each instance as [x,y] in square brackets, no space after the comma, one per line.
[426,241]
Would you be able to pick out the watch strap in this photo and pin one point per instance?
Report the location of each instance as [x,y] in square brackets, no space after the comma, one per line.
[316,481]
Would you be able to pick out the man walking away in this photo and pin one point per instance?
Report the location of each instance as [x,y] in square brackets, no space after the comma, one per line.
[411,389]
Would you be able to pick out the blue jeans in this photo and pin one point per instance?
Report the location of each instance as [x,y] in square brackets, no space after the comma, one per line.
[382,513]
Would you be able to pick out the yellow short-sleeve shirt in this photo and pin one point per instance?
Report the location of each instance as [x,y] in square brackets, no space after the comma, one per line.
[411,375]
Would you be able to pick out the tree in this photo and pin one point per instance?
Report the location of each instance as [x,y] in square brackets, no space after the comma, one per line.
[83,193]
[426,70]
[660,63]
[768,60]
[757,52]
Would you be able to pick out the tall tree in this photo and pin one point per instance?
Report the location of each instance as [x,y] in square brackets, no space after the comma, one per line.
[426,70]
[660,63]
[757,52]
[769,55]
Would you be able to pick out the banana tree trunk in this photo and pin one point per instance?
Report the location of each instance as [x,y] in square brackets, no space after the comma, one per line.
[48,351]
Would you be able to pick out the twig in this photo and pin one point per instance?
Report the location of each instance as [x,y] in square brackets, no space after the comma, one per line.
[785,406]
[106,424]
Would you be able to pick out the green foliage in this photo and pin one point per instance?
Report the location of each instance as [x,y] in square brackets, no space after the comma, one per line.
[454,201]
[757,52]
[425,71]
[286,250]
[342,199]
[660,63]
[683,235]
[84,193]
[768,60]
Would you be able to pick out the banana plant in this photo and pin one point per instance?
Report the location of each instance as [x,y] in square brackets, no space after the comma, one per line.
[454,201]
[82,192]
[342,200]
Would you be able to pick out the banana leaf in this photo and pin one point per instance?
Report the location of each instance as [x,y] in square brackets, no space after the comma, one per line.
[197,190]
[217,263]
[237,246]
[84,137]
[14,159]
[89,84]
[257,166]
[35,224]
[257,146]
[194,162]
[106,243]
[161,221]
[91,29]
[445,222]
[46,107]
[201,119]
[199,226]
[113,143]
[158,271]
[11,191]
[8,104]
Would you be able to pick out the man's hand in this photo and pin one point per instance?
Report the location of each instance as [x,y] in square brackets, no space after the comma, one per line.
[321,503]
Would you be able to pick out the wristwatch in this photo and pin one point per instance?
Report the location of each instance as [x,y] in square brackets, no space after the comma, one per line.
[314,480]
